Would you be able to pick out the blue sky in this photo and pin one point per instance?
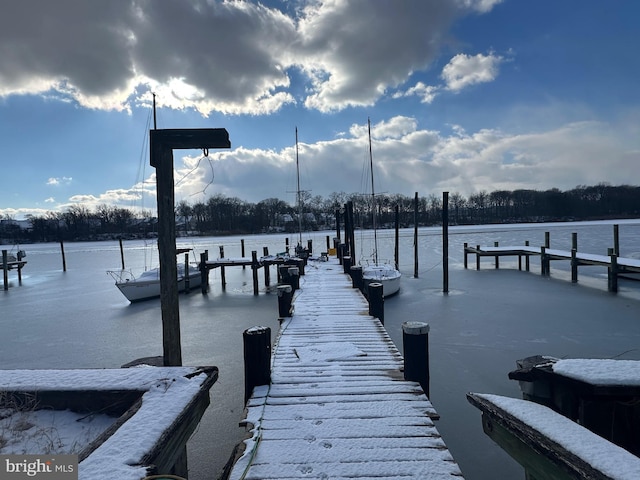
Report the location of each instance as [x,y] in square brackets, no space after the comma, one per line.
[464,96]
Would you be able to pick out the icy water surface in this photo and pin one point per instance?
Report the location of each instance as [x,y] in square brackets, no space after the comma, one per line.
[488,320]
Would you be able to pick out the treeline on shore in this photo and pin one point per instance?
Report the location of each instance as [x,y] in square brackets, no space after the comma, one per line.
[222,215]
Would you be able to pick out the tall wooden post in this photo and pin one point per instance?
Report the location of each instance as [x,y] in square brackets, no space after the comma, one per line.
[162,144]
[5,268]
[121,252]
[396,252]
[445,242]
[415,236]
[352,233]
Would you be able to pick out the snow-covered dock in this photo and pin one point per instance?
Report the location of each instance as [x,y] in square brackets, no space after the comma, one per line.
[550,445]
[338,406]
[614,264]
[254,262]
[154,411]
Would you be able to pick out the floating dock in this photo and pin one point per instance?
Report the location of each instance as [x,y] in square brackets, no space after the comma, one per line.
[338,406]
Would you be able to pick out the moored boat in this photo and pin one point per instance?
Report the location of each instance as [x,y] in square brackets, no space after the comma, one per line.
[385,274]
[147,284]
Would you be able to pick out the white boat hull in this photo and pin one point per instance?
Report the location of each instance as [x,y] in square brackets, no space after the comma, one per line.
[147,286]
[388,276]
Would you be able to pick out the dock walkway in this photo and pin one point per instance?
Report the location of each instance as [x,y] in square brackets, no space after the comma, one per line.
[338,406]
[614,264]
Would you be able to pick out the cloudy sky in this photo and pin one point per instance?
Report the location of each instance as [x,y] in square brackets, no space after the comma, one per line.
[463,96]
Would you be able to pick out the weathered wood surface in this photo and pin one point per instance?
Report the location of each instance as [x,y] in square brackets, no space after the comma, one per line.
[549,445]
[338,406]
[158,409]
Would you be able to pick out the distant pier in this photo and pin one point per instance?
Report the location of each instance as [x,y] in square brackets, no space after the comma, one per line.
[10,262]
[616,266]
[337,404]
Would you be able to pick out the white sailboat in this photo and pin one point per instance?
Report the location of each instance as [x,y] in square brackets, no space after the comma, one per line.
[147,284]
[375,271]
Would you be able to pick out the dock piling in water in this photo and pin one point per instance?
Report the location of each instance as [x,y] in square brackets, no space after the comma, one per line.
[415,339]
[376,301]
[257,358]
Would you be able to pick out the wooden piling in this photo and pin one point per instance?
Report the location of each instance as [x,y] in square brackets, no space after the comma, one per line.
[466,245]
[242,250]
[285,296]
[526,259]
[5,269]
[254,268]
[352,232]
[161,146]
[616,239]
[356,278]
[415,236]
[346,264]
[547,240]
[396,251]
[294,277]
[574,259]
[545,263]
[187,280]
[376,301]
[612,271]
[497,257]
[204,272]
[267,272]
[223,275]
[257,358]
[19,257]
[64,260]
[477,257]
[121,252]
[415,340]
[445,242]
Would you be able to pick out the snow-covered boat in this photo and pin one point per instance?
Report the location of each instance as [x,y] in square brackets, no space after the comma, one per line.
[376,271]
[383,273]
[147,284]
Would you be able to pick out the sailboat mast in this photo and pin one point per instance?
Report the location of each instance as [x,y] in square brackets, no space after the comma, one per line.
[154,111]
[373,198]
[298,193]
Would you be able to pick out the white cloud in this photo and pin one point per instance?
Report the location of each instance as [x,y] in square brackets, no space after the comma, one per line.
[426,93]
[227,56]
[465,70]
[55,181]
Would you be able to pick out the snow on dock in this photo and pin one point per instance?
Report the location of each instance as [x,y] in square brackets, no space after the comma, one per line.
[338,406]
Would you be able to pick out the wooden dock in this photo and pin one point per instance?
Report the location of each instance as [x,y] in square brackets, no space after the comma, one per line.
[338,406]
[254,262]
[10,262]
[615,265]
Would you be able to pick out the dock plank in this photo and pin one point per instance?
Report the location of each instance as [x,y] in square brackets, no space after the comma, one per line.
[338,406]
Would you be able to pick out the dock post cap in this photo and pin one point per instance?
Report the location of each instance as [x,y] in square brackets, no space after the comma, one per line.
[415,328]
[257,330]
[282,289]
[375,284]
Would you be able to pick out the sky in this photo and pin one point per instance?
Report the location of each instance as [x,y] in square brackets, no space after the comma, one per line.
[463,96]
